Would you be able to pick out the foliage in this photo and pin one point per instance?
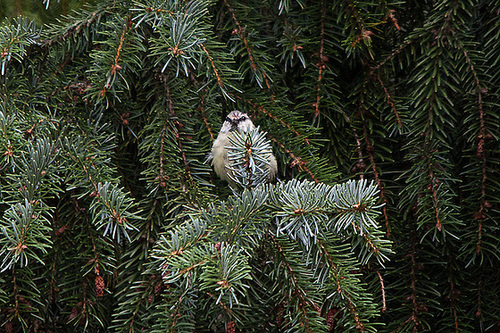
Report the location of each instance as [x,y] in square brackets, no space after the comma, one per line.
[43,11]
[382,116]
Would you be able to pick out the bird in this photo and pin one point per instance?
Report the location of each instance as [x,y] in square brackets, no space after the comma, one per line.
[236,121]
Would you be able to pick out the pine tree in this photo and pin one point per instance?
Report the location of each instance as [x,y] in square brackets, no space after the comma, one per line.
[383,118]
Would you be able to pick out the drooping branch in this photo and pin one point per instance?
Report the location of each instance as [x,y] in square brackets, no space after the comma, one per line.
[391,103]
[369,149]
[340,290]
[321,63]
[481,149]
[115,66]
[260,108]
[241,32]
[298,291]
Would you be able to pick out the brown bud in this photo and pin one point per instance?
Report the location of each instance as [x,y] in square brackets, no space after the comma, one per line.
[74,313]
[230,327]
[9,327]
[61,230]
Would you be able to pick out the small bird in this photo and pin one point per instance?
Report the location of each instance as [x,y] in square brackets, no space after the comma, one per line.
[235,121]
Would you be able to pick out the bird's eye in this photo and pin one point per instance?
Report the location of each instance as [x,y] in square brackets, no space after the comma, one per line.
[228,119]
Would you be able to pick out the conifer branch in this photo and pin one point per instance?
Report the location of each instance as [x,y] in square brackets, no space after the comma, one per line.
[77,27]
[216,72]
[413,280]
[296,161]
[391,103]
[361,165]
[382,289]
[176,313]
[479,312]
[16,313]
[355,15]
[298,291]
[364,34]
[176,130]
[434,182]
[453,295]
[242,34]
[481,149]
[261,109]
[126,98]
[115,66]
[177,126]
[394,53]
[162,177]
[222,305]
[208,128]
[321,63]
[369,150]
[340,289]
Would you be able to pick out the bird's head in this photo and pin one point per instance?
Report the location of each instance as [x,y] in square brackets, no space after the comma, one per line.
[237,121]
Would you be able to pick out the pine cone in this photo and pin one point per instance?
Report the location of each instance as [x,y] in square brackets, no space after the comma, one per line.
[99,286]
[330,318]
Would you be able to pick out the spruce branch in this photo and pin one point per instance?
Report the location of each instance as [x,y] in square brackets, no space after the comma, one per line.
[117,53]
[249,158]
[321,63]
[391,102]
[106,117]
[258,70]
[369,149]
[81,26]
[15,38]
[112,209]
[25,223]
[482,135]
[296,160]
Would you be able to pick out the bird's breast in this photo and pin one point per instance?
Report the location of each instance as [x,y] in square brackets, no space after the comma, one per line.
[219,153]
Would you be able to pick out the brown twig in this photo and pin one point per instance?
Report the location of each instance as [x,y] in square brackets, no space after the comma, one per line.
[115,66]
[75,28]
[392,55]
[434,183]
[301,294]
[201,110]
[480,151]
[270,115]
[390,102]
[350,303]
[369,149]
[384,306]
[296,160]
[176,130]
[321,63]
[413,277]
[219,79]
[240,31]
[453,294]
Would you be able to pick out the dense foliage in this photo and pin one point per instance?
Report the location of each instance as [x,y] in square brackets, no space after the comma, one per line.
[383,116]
